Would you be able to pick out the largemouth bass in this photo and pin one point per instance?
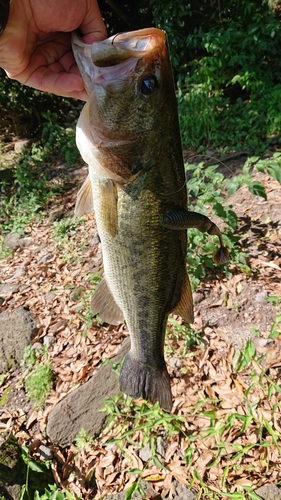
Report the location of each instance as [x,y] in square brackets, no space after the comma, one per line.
[128,133]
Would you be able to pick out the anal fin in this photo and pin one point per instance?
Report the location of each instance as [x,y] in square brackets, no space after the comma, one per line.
[103,302]
[84,202]
[185,305]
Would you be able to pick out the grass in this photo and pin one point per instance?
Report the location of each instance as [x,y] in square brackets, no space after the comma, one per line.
[38,376]
[69,246]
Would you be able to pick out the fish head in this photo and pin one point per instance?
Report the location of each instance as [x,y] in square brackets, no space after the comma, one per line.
[129,81]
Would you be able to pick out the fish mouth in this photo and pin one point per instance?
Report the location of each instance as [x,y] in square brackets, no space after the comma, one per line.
[101,62]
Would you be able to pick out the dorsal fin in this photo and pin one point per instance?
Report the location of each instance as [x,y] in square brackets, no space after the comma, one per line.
[103,302]
[185,305]
[84,202]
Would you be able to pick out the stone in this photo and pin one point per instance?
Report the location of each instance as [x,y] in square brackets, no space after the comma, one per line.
[261,297]
[45,258]
[21,146]
[17,274]
[15,241]
[269,492]
[48,341]
[145,486]
[7,289]
[183,493]
[80,409]
[45,453]
[145,453]
[16,332]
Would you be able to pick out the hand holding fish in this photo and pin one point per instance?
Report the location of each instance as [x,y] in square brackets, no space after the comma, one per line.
[35,47]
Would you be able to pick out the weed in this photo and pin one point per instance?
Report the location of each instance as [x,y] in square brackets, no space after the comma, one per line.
[38,481]
[190,337]
[83,440]
[38,377]
[5,252]
[244,357]
[64,233]
[85,313]
[206,189]
[59,139]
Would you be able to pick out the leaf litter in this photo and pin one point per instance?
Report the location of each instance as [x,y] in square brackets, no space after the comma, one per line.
[224,436]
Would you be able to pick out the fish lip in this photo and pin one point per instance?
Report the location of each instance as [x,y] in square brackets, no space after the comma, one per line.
[130,44]
[127,37]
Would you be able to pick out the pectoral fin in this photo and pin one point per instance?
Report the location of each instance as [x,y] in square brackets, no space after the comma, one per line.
[185,305]
[103,302]
[84,202]
[183,219]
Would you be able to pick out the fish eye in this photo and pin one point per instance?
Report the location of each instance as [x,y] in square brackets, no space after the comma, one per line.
[148,85]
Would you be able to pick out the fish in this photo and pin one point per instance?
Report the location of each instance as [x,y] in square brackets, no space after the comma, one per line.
[128,133]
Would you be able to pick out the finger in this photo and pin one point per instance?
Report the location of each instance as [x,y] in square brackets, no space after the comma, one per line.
[93,28]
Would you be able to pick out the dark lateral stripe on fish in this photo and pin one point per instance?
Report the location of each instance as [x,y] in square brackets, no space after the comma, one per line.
[141,381]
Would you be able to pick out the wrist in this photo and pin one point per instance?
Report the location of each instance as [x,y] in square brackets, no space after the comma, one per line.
[4,14]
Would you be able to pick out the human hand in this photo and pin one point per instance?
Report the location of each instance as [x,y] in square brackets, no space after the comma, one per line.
[35,48]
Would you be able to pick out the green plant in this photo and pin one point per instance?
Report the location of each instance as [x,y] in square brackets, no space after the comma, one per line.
[190,337]
[206,188]
[83,440]
[5,252]
[38,377]
[84,309]
[64,233]
[39,481]
[59,139]
[275,329]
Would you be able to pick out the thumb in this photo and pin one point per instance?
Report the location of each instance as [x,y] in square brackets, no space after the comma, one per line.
[93,28]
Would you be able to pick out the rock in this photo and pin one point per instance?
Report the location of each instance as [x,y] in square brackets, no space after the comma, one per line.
[7,289]
[183,493]
[261,296]
[145,453]
[45,258]
[19,272]
[175,362]
[145,486]
[36,346]
[198,297]
[77,293]
[16,332]
[12,469]
[269,492]
[14,241]
[45,453]
[48,341]
[22,146]
[80,409]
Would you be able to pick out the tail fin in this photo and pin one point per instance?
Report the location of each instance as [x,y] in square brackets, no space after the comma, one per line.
[139,380]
